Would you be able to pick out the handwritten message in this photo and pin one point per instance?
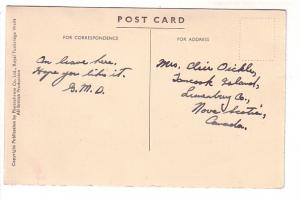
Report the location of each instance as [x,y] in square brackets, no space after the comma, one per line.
[99,68]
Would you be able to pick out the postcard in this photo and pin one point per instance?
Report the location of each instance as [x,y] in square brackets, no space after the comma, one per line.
[145,97]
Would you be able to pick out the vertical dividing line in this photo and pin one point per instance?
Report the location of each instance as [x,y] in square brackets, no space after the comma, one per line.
[149,100]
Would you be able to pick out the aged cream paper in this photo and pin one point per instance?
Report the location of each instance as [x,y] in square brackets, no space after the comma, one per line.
[145,97]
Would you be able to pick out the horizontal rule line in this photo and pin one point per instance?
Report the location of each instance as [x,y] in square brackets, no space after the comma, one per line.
[148,27]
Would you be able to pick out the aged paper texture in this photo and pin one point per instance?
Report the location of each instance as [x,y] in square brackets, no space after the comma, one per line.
[145,97]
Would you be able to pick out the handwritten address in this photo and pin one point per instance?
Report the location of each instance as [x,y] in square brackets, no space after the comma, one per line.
[236,76]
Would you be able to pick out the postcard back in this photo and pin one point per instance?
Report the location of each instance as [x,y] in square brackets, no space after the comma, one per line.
[145,97]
